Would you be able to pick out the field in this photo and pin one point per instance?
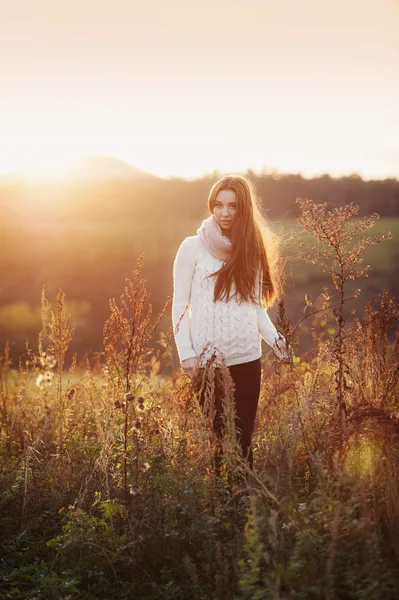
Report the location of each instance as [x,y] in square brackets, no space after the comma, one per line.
[91,261]
[107,486]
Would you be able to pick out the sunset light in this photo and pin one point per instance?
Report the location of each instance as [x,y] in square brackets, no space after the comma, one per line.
[312,88]
[199,299]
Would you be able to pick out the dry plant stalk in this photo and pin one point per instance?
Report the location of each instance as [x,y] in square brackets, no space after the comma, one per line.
[204,385]
[57,333]
[375,370]
[5,365]
[215,388]
[127,334]
[338,248]
[128,330]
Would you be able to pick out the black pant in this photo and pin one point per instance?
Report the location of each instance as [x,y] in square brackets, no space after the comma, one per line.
[247,380]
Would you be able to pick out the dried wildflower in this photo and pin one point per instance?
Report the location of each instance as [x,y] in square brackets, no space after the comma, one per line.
[119,404]
[45,379]
[127,335]
[47,361]
[137,424]
[373,371]
[129,396]
[211,353]
[338,243]
[57,333]
[140,399]
[334,232]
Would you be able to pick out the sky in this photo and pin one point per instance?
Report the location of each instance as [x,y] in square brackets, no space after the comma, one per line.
[182,88]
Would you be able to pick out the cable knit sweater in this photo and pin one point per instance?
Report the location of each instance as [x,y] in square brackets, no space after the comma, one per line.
[231,330]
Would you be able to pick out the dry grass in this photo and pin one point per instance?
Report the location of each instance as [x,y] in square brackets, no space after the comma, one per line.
[108,485]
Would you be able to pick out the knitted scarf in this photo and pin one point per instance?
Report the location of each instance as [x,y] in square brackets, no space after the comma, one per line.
[217,244]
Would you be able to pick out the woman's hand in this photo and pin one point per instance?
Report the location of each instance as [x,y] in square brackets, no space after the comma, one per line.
[189,366]
[287,359]
[284,355]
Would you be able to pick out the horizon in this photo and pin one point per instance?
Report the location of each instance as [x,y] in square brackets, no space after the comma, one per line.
[309,89]
[64,171]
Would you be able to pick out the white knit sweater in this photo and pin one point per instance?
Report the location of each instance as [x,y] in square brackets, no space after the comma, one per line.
[231,330]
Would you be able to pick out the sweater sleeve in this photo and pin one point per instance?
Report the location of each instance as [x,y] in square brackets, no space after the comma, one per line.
[266,327]
[183,271]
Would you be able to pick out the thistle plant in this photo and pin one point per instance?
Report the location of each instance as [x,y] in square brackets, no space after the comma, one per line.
[338,245]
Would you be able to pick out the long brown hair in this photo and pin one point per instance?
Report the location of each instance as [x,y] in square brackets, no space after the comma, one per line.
[254,246]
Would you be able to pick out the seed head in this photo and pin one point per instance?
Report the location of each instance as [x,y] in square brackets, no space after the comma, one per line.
[119,404]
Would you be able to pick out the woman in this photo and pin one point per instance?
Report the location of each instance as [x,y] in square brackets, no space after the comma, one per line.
[221,277]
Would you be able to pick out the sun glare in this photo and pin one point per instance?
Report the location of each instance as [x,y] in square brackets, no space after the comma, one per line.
[37,163]
[363,457]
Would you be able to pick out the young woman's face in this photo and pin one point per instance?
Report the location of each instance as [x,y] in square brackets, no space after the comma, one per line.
[225,209]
